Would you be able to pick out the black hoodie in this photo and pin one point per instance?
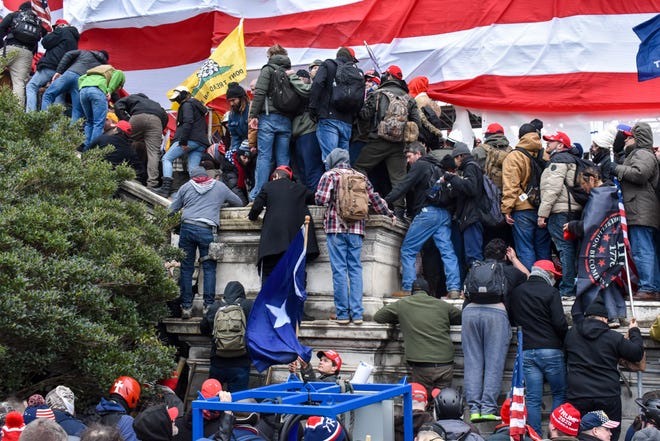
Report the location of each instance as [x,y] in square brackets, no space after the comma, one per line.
[417,182]
[234,293]
[593,351]
[154,424]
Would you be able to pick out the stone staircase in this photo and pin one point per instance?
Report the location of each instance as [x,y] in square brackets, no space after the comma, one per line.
[373,343]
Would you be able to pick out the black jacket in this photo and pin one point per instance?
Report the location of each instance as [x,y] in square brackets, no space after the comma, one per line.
[319,98]
[191,123]
[80,61]
[62,40]
[593,351]
[286,207]
[123,152]
[416,185]
[153,424]
[5,32]
[468,191]
[536,306]
[234,293]
[139,103]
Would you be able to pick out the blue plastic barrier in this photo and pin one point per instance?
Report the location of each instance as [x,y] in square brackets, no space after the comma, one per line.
[298,398]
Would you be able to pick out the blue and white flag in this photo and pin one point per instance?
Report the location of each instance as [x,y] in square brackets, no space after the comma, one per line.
[271,328]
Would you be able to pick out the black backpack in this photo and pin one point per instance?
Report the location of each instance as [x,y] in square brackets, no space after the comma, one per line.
[491,209]
[575,190]
[348,88]
[282,93]
[533,189]
[26,27]
[485,283]
[436,193]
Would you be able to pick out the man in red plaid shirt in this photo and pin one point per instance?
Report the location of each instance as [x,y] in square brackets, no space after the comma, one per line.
[345,240]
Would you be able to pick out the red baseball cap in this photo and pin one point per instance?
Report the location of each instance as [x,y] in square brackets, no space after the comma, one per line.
[494,128]
[61,21]
[210,388]
[395,71]
[332,356]
[173,412]
[419,393]
[559,136]
[547,265]
[124,126]
[352,51]
[566,418]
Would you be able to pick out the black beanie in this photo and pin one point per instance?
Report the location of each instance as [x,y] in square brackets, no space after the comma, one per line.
[596,308]
[525,129]
[537,123]
[234,90]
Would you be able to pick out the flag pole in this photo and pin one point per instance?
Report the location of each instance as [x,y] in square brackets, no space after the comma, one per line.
[307,220]
[628,284]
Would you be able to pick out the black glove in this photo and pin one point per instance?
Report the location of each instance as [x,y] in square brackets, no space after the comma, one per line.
[613,166]
[619,142]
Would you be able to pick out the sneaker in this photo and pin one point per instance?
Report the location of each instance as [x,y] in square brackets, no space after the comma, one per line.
[358,322]
[454,294]
[342,321]
[402,293]
[490,417]
[186,313]
[614,323]
[474,417]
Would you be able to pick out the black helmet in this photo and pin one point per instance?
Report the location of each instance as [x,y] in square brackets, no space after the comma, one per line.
[650,410]
[448,404]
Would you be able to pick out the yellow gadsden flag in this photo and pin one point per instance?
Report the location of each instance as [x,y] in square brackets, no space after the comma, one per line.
[226,64]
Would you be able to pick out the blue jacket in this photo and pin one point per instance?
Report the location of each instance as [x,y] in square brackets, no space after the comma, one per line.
[125,423]
[238,127]
[70,424]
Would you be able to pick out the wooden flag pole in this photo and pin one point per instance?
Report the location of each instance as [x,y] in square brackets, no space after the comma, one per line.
[307,221]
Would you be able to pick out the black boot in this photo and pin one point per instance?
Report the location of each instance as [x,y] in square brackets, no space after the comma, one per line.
[165,189]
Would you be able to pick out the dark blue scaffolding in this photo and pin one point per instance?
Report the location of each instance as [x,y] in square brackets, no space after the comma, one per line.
[298,398]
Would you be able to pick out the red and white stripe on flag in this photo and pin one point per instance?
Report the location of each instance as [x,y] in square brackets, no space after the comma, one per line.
[518,421]
[40,7]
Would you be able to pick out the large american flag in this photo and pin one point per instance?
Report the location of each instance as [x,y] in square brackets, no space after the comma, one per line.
[518,421]
[40,7]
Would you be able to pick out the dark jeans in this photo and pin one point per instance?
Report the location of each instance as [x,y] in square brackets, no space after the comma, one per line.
[233,379]
[610,405]
[308,156]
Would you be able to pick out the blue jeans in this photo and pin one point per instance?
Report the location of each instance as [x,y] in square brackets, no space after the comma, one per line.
[485,338]
[191,238]
[308,154]
[194,152]
[614,302]
[540,364]
[642,242]
[332,134]
[38,80]
[233,379]
[95,108]
[344,250]
[272,139]
[473,243]
[567,251]
[68,82]
[436,222]
[532,243]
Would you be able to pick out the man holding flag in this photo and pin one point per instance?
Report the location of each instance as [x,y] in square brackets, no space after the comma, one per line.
[277,311]
[639,176]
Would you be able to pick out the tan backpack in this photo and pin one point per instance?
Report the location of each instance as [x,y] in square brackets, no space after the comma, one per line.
[494,159]
[352,196]
[103,69]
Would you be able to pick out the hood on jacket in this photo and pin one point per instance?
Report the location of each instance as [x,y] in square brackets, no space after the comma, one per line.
[154,424]
[530,142]
[280,60]
[497,140]
[234,291]
[643,135]
[336,157]
[393,82]
[592,329]
[418,85]
[203,187]
[107,406]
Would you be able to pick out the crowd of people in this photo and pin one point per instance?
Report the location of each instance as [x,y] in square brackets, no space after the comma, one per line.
[358,143]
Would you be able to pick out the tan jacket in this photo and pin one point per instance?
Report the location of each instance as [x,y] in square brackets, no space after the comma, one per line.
[554,193]
[516,170]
